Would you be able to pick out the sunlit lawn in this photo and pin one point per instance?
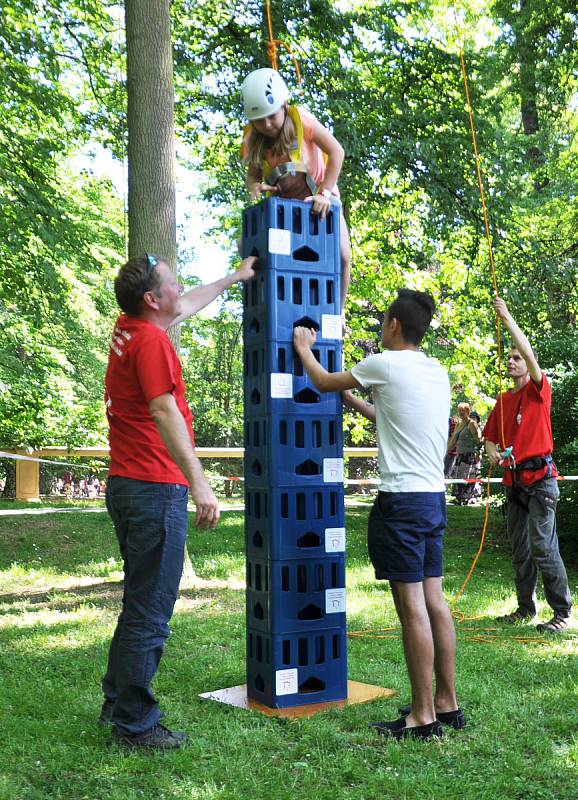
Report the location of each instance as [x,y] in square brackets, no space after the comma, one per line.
[59,596]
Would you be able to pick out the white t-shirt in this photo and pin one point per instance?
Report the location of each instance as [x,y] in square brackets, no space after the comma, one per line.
[411,394]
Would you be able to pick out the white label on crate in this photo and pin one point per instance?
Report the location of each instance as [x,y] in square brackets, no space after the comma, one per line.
[331,326]
[281,385]
[280,241]
[334,540]
[286,681]
[333,470]
[335,601]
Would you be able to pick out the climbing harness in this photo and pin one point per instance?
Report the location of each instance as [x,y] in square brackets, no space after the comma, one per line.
[296,166]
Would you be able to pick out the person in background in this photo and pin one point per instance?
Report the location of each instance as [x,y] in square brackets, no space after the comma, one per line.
[450,456]
[467,440]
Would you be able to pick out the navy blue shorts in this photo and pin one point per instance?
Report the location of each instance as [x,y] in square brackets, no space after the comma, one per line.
[405,535]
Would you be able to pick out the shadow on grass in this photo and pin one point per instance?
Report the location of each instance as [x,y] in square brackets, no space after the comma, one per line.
[104,595]
[518,702]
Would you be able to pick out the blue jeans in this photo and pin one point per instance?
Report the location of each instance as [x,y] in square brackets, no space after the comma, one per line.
[150,521]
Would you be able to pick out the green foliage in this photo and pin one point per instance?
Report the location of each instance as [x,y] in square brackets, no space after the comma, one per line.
[59,232]
[211,355]
[386,78]
[56,312]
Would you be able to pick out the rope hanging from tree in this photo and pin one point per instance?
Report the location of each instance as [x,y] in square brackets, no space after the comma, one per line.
[273,43]
[488,635]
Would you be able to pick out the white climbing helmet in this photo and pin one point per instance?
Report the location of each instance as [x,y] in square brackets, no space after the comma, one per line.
[264,92]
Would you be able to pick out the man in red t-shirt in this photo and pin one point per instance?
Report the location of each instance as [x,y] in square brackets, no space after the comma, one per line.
[521,420]
[152,466]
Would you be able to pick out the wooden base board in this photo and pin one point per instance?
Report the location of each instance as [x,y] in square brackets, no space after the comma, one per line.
[356,693]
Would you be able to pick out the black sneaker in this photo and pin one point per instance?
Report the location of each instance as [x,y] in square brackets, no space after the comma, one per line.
[106,713]
[519,615]
[455,719]
[156,738]
[398,730]
[557,624]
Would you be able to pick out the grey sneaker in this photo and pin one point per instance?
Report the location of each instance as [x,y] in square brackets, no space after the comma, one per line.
[156,738]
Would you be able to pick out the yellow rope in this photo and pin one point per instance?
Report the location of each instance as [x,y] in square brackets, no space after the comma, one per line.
[487,229]
[489,633]
[273,43]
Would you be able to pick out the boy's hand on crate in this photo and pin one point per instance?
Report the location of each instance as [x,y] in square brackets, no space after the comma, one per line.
[304,338]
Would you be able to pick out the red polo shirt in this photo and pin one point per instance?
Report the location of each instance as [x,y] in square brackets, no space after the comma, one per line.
[142,365]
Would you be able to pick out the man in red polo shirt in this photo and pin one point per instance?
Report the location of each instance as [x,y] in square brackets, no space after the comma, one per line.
[152,466]
[521,420]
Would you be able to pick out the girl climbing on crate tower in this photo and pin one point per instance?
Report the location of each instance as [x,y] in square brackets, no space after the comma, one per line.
[290,154]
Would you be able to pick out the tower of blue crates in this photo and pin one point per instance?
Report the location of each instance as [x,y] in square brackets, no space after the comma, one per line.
[294,516]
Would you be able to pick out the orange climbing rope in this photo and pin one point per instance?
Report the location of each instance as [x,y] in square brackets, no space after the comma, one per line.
[484,634]
[458,616]
[475,561]
[273,43]
[487,229]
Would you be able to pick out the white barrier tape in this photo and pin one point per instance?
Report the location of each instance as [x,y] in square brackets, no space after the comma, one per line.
[18,457]
[377,481]
[351,481]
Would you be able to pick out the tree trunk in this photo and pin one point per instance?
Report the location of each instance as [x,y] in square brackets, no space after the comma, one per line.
[152,224]
[151,137]
[189,578]
[528,94]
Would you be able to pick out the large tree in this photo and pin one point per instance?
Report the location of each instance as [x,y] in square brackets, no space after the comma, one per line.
[150,122]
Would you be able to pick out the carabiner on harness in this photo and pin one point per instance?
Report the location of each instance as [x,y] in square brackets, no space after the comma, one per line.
[508,461]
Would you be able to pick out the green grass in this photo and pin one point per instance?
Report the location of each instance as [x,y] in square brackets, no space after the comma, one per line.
[50,502]
[59,596]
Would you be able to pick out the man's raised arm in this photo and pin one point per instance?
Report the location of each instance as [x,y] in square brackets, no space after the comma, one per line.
[199,297]
[519,339]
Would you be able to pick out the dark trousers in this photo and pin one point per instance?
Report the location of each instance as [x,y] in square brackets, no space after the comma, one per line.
[531,521]
[150,521]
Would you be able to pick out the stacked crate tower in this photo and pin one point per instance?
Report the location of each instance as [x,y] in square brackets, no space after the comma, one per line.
[294,517]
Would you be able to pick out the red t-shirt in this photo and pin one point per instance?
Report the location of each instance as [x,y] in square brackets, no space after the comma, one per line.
[142,365]
[527,427]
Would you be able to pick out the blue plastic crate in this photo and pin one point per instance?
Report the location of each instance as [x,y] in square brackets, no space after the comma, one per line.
[296,669]
[291,523]
[274,381]
[293,596]
[275,302]
[286,235]
[293,451]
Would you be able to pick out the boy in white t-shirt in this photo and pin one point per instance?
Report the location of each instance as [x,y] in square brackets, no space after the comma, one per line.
[406,526]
